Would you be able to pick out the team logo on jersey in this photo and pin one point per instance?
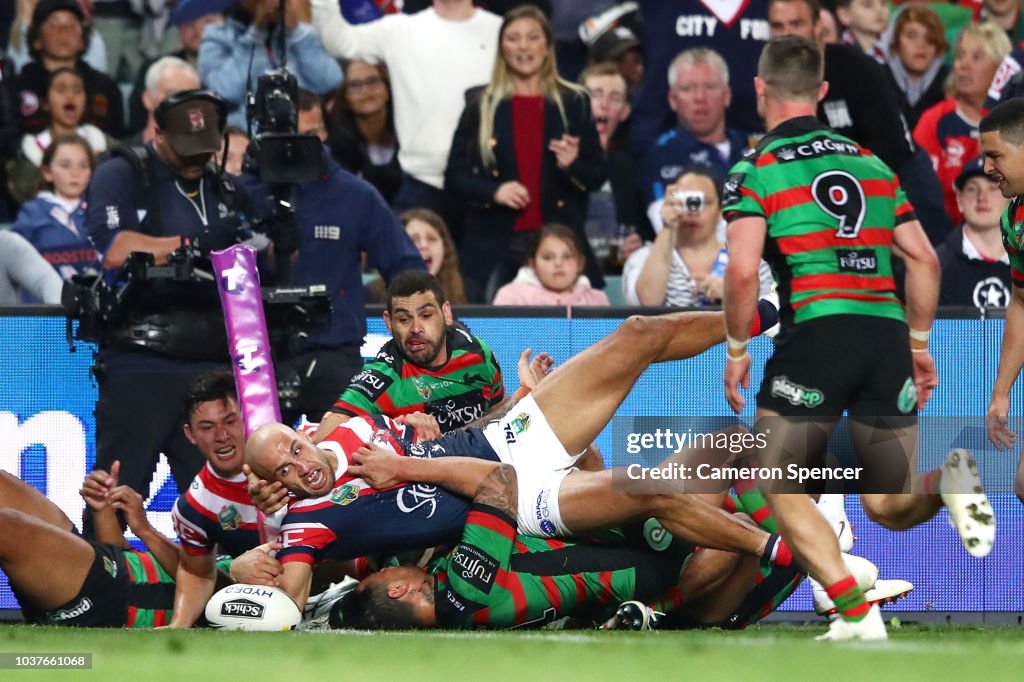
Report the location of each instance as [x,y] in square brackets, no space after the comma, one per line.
[422,388]
[907,399]
[110,567]
[858,260]
[229,516]
[475,567]
[346,494]
[517,426]
[657,537]
[796,394]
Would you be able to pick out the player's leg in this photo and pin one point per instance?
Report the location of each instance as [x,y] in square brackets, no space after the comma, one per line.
[17,494]
[581,397]
[44,564]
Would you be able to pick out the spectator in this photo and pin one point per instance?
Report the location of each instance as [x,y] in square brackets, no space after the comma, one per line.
[917,59]
[163,77]
[948,131]
[828,27]
[189,34]
[685,264]
[865,20]
[975,267]
[870,117]
[236,142]
[434,242]
[311,118]
[525,153]
[736,30]
[24,274]
[1008,15]
[617,222]
[54,222]
[699,94]
[57,38]
[9,136]
[120,24]
[65,106]
[361,127]
[233,54]
[429,83]
[18,45]
[553,273]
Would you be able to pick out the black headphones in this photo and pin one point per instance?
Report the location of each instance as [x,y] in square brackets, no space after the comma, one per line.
[173,100]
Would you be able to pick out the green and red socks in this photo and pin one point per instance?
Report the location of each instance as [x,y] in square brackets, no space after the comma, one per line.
[849,599]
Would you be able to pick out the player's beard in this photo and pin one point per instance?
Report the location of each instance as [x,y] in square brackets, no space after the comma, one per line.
[426,356]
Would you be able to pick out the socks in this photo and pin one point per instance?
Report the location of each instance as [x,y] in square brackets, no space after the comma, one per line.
[849,599]
[776,551]
[766,317]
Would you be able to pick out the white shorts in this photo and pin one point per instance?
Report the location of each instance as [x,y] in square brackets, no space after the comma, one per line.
[524,439]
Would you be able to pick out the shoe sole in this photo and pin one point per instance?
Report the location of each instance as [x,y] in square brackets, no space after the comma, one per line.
[969,513]
[885,593]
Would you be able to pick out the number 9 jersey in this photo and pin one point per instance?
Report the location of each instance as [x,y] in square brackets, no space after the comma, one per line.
[831,207]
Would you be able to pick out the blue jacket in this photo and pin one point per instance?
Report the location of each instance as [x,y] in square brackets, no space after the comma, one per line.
[226,50]
[339,217]
[58,235]
[677,149]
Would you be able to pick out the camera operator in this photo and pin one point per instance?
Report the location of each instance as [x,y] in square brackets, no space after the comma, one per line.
[155,200]
[339,217]
[683,267]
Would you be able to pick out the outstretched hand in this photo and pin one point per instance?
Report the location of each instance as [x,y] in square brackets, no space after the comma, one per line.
[130,503]
[268,497]
[97,486]
[424,425]
[376,465]
[531,371]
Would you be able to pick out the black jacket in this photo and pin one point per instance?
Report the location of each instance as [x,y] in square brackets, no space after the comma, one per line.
[489,242]
[969,281]
[104,106]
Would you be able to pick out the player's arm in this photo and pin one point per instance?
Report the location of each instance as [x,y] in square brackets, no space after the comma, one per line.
[296,580]
[329,422]
[130,503]
[383,468]
[194,580]
[96,492]
[742,286]
[924,275]
[1011,360]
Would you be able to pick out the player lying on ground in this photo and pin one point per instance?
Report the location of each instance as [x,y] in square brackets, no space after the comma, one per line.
[59,578]
[341,517]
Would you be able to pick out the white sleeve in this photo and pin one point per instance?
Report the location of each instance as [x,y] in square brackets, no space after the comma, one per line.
[27,269]
[631,273]
[767,281]
[366,42]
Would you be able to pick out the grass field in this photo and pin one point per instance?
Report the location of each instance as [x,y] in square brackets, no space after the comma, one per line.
[773,652]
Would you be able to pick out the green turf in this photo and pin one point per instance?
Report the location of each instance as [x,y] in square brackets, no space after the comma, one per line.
[766,653]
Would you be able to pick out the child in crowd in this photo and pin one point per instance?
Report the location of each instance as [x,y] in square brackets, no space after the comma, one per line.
[865,21]
[430,234]
[54,222]
[237,141]
[65,106]
[553,274]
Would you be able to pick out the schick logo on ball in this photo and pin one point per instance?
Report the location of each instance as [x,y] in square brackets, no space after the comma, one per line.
[242,608]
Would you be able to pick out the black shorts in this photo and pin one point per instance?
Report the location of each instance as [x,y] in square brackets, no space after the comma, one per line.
[102,601]
[857,363]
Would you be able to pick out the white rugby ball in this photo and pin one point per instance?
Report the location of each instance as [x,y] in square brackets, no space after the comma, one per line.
[252,607]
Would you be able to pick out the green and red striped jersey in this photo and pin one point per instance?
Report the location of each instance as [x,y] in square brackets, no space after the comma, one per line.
[497,579]
[1012,225]
[458,392]
[831,208]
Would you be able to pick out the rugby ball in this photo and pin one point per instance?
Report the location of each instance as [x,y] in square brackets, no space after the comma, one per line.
[252,607]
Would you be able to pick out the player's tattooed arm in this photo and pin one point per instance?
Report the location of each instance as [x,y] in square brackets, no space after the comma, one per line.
[500,489]
[495,414]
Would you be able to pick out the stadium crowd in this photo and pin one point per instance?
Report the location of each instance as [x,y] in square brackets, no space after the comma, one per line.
[556,153]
